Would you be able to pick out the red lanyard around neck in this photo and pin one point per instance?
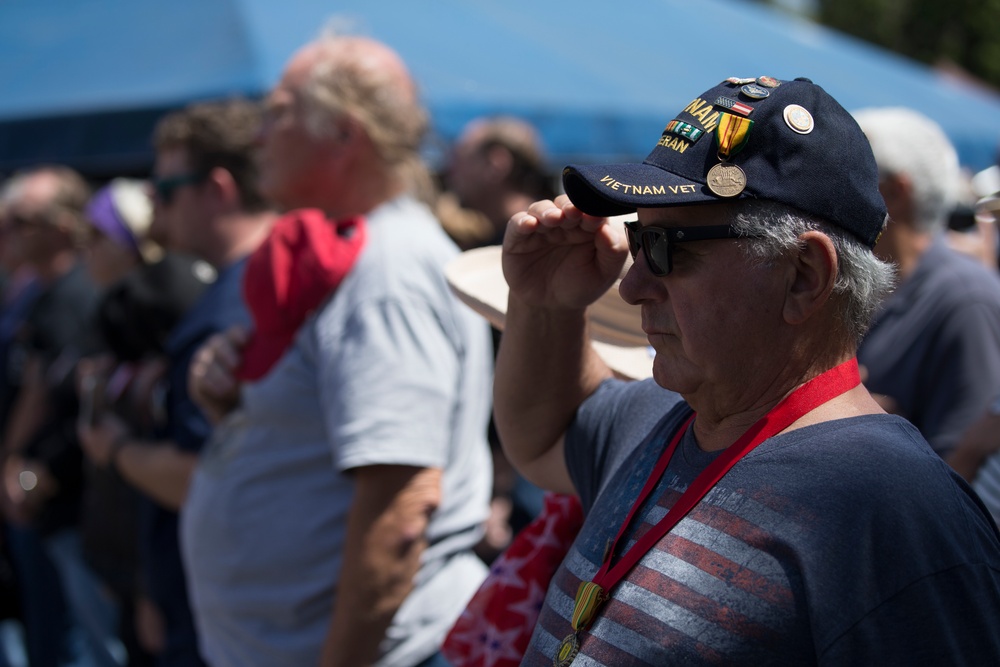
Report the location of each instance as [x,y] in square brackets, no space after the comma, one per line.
[803,400]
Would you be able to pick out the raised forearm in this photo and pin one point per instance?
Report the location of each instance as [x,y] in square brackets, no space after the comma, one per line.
[546,367]
[160,470]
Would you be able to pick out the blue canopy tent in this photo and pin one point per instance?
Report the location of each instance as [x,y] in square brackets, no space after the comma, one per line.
[84,82]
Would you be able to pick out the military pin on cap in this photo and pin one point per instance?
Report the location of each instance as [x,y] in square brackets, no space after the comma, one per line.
[798,119]
[768,81]
[754,91]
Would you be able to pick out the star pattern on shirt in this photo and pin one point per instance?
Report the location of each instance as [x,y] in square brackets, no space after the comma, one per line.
[547,538]
[530,605]
[496,626]
[505,572]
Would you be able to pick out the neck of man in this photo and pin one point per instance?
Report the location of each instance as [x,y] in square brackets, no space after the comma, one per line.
[727,412]
[239,235]
[909,256]
[369,189]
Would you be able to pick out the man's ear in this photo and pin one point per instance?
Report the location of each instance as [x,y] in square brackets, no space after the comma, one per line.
[224,186]
[812,274]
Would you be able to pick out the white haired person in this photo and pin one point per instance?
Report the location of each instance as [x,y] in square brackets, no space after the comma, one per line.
[932,354]
[332,517]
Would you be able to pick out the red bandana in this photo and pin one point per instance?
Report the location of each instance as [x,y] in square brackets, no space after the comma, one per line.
[303,260]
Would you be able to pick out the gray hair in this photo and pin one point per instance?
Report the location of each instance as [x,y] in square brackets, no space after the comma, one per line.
[863,280]
[383,103]
[908,143]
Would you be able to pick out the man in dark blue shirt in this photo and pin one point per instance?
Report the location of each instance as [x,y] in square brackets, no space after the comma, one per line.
[206,205]
[932,354]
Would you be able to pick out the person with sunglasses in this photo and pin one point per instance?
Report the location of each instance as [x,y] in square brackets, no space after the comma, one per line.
[775,514]
[206,206]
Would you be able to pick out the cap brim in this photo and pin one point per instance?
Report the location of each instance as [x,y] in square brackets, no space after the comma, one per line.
[476,277]
[616,189]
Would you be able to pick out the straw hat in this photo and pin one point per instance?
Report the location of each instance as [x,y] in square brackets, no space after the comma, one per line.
[476,276]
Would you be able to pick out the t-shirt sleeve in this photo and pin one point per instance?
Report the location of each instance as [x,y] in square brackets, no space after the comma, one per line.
[388,381]
[967,373]
[608,426]
[928,623]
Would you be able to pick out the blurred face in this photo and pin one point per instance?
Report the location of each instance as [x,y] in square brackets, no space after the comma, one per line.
[33,235]
[31,238]
[708,318]
[468,168]
[293,164]
[894,241]
[181,213]
[107,261]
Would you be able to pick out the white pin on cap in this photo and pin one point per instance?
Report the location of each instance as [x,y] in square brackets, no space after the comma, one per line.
[799,119]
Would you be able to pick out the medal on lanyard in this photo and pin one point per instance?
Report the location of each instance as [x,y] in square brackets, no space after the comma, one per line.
[592,594]
[589,598]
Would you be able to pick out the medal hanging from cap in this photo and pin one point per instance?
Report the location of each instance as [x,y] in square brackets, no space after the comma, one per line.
[731,135]
[592,594]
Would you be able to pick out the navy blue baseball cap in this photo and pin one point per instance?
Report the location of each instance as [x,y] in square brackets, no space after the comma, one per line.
[749,138]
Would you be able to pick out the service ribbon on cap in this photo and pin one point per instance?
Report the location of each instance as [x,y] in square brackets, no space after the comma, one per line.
[686,130]
[731,134]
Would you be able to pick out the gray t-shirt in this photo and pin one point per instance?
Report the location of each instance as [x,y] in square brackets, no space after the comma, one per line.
[391,370]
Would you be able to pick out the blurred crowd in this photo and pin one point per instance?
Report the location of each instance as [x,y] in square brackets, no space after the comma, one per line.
[245,421]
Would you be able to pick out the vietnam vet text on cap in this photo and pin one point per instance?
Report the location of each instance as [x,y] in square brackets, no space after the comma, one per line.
[760,138]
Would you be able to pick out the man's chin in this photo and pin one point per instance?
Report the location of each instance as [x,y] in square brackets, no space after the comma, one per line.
[669,373]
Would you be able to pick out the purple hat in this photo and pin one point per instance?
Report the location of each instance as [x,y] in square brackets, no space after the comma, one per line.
[122,211]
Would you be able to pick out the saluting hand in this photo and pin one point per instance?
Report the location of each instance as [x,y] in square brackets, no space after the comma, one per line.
[555,256]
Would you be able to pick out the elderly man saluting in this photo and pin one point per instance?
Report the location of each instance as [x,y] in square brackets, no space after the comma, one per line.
[774,514]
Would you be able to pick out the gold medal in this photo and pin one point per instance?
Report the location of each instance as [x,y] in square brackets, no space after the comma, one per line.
[726,180]
[731,136]
[567,651]
[589,598]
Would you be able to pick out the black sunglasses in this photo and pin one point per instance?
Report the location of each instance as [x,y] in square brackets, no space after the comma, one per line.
[165,188]
[657,243]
